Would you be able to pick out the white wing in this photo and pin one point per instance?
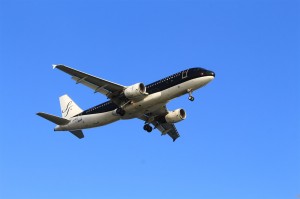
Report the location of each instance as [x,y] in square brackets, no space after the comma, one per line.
[110,89]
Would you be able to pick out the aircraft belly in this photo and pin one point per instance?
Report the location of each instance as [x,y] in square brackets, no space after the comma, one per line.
[101,119]
[92,120]
[137,109]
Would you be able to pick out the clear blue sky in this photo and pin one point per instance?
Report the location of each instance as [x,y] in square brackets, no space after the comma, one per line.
[241,136]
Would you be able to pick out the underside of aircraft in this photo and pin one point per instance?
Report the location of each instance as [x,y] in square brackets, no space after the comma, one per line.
[147,103]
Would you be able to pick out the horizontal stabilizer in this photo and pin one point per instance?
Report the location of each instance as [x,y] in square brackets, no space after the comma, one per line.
[78,133]
[53,118]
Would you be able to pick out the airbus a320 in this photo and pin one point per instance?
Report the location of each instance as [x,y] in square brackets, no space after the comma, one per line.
[147,103]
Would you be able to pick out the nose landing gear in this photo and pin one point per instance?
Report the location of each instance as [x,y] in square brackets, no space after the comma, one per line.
[191,98]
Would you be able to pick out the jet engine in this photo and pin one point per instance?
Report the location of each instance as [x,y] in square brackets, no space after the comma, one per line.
[175,116]
[135,92]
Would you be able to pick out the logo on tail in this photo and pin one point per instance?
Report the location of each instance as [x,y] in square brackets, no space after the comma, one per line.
[67,110]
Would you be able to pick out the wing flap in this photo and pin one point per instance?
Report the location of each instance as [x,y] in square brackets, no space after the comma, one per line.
[99,89]
[166,128]
[97,84]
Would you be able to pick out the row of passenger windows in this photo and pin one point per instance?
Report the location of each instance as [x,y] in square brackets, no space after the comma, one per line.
[165,79]
[97,107]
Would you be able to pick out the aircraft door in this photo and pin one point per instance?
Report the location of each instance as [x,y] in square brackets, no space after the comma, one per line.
[185,74]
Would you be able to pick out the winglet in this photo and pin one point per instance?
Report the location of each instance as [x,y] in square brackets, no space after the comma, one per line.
[54,66]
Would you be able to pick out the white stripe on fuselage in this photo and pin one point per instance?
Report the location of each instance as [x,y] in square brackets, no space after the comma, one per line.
[150,103]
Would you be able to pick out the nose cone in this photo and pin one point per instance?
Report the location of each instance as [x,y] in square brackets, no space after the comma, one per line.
[207,73]
[210,75]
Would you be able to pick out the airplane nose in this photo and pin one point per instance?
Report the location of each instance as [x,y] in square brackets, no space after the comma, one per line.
[213,74]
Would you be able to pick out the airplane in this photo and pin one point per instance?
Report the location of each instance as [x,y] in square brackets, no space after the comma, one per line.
[147,103]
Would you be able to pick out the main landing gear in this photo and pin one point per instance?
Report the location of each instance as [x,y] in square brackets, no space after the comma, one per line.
[148,128]
[120,111]
[191,98]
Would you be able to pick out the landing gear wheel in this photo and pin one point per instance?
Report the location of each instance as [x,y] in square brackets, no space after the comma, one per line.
[191,98]
[147,128]
[120,111]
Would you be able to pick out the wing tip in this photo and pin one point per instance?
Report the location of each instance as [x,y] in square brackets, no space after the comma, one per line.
[56,65]
[40,113]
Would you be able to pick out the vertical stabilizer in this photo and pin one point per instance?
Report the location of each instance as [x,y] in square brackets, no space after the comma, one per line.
[68,107]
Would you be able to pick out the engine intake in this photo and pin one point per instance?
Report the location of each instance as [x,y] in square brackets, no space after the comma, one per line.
[135,92]
[175,116]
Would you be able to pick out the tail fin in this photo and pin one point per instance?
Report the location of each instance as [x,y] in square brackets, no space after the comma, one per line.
[68,107]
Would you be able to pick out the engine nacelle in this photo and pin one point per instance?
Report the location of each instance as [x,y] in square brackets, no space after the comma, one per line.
[135,92]
[175,116]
